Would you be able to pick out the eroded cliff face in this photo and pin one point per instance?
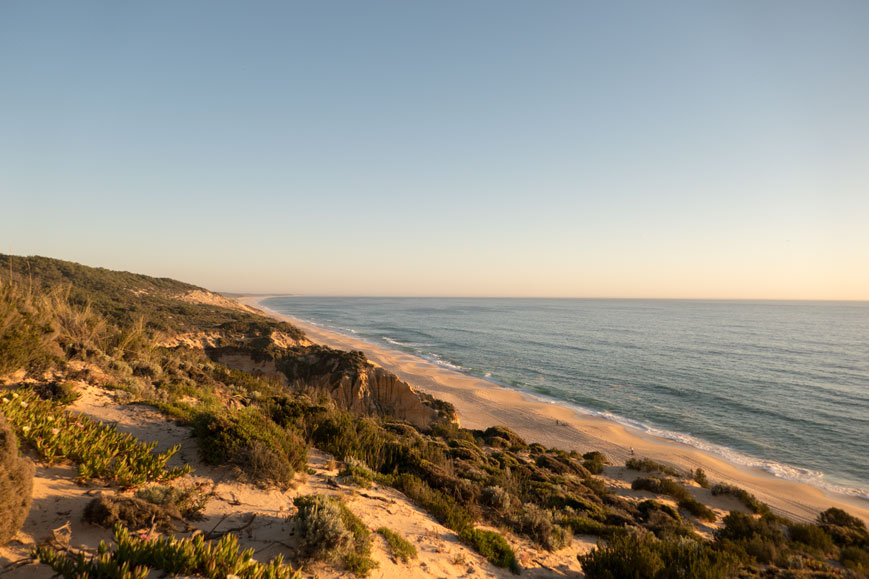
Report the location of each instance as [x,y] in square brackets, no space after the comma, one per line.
[347,377]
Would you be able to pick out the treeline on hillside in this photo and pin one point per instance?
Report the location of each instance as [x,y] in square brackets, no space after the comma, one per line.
[260,429]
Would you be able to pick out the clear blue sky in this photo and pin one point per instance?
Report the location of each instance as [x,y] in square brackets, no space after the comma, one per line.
[626,149]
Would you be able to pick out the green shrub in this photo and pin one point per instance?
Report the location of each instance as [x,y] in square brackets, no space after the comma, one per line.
[700,478]
[649,465]
[16,484]
[492,546]
[328,530]
[697,509]
[855,559]
[628,555]
[26,332]
[582,525]
[497,498]
[760,538]
[661,486]
[100,450]
[189,501]
[812,536]
[743,496]
[321,529]
[400,547]
[357,473]
[840,518]
[61,392]
[846,530]
[443,507]
[262,451]
[640,555]
[537,524]
[594,461]
[134,557]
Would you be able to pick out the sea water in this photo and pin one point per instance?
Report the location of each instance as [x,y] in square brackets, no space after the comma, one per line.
[783,386]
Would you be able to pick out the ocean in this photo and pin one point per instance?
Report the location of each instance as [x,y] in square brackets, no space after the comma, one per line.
[783,386]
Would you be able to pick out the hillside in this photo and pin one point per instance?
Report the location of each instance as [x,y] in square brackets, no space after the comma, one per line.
[321,462]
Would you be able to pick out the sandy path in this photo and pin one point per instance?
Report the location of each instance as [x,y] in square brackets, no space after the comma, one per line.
[481,404]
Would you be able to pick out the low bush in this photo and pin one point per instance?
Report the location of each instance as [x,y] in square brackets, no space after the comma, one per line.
[537,524]
[497,498]
[661,486]
[649,465]
[100,450]
[356,473]
[582,525]
[16,484]
[26,331]
[594,461]
[812,536]
[134,558]
[855,559]
[328,530]
[188,501]
[442,506]
[401,548]
[743,496]
[61,392]
[761,538]
[697,509]
[846,530]
[492,546]
[640,555]
[700,478]
[262,451]
[131,512]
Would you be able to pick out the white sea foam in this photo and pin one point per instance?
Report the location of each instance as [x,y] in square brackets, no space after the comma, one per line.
[780,470]
[784,471]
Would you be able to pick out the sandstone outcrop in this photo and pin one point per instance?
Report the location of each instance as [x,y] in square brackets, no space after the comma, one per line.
[347,377]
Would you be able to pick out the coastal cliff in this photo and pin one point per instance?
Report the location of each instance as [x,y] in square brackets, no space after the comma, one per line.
[347,378]
[296,451]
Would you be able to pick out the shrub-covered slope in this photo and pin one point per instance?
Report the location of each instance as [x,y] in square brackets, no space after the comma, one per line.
[63,324]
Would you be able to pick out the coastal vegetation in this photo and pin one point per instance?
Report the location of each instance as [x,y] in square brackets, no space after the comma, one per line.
[63,325]
[16,484]
[134,557]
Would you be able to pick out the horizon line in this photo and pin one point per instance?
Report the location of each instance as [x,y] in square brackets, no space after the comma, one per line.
[495,297]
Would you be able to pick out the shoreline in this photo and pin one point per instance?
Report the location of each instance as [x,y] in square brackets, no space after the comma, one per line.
[481,403]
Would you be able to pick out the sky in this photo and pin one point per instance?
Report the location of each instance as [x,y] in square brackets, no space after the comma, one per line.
[710,150]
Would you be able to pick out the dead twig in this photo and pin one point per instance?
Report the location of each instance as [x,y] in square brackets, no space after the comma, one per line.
[212,535]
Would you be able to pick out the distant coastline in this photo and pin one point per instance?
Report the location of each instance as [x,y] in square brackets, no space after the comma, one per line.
[481,403]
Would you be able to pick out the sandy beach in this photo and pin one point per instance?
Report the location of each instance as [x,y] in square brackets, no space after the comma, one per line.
[481,404]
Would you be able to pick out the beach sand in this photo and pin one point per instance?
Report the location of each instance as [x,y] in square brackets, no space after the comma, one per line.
[481,404]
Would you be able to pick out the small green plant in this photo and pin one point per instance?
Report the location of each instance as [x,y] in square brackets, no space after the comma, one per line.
[16,484]
[400,547]
[133,557]
[263,451]
[640,555]
[594,461]
[743,496]
[357,473]
[492,546]
[700,478]
[100,450]
[189,500]
[649,465]
[328,530]
[536,523]
[697,509]
[855,559]
[62,392]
